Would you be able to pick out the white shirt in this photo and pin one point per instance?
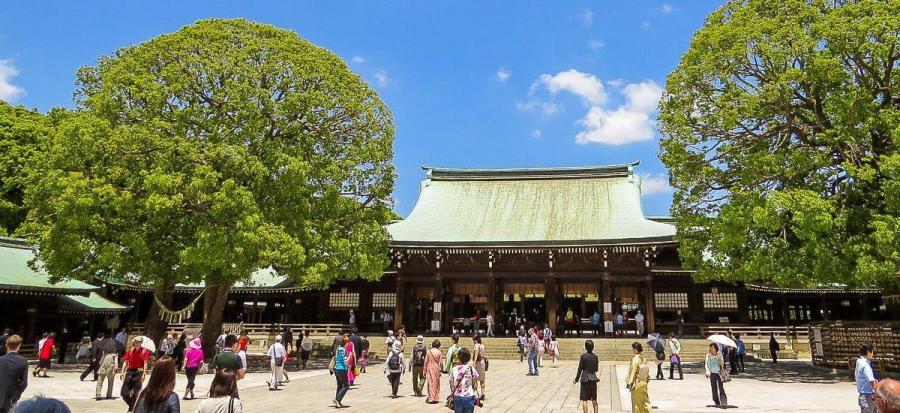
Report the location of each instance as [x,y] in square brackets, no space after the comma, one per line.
[466,374]
[639,318]
[675,346]
[276,350]
[489,319]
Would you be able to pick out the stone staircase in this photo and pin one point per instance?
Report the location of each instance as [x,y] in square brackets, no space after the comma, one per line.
[693,350]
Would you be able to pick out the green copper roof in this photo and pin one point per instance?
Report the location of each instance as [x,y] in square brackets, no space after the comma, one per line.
[536,205]
[16,276]
[266,279]
[92,304]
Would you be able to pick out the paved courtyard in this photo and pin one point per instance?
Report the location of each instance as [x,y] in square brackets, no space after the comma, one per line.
[789,387]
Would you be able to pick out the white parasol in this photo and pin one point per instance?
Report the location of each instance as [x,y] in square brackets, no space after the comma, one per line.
[723,340]
[147,343]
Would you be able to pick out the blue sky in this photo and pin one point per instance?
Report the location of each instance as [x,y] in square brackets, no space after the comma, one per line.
[470,83]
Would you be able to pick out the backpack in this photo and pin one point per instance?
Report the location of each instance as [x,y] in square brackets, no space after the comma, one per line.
[418,355]
[394,361]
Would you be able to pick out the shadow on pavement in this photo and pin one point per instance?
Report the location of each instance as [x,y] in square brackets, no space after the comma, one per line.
[783,372]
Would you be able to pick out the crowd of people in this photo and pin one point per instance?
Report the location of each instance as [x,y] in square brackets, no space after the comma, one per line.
[149,378]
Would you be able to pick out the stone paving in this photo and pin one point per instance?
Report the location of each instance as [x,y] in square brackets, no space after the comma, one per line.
[789,387]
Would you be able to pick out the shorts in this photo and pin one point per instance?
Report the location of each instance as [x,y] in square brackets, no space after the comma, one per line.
[44,364]
[588,391]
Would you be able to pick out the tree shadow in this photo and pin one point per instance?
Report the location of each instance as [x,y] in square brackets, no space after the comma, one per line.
[782,372]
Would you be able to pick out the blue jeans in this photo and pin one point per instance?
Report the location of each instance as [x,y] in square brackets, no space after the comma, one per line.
[532,362]
[463,404]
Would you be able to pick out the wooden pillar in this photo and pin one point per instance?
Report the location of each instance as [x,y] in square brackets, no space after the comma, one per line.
[865,308]
[648,304]
[399,305]
[551,299]
[492,297]
[823,308]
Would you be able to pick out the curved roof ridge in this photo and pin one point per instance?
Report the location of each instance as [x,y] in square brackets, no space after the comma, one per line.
[561,172]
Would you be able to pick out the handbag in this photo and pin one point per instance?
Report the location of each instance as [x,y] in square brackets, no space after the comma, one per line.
[279,361]
[486,364]
[331,365]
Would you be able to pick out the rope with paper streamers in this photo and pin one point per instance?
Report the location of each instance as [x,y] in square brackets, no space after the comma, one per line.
[176,316]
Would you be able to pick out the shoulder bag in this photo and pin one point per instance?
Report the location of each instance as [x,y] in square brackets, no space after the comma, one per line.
[450,404]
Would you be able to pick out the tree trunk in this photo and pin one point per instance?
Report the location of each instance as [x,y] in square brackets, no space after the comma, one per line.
[155,327]
[214,300]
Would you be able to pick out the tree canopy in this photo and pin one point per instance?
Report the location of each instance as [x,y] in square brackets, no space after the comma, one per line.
[209,153]
[21,132]
[780,127]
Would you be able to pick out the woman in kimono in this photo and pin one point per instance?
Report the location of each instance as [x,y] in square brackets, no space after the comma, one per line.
[434,359]
[637,379]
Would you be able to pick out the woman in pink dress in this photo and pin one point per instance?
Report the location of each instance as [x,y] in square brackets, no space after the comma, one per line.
[433,362]
[351,359]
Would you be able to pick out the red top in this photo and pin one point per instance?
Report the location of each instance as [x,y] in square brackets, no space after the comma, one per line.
[242,342]
[136,359]
[47,349]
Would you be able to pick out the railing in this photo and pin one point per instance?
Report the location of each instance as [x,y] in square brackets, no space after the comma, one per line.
[793,333]
[253,329]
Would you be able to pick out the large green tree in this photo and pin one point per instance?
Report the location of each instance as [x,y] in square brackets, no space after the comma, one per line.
[21,132]
[781,128]
[206,154]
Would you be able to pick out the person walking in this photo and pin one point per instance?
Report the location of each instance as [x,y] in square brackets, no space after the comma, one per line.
[660,351]
[62,342]
[394,368]
[541,348]
[134,365]
[480,363]
[588,365]
[45,355]
[675,358]
[193,358]
[739,354]
[13,373]
[277,355]
[159,395]
[637,379]
[229,358]
[223,394]
[94,360]
[84,348]
[167,347]
[337,341]
[865,379]
[679,318]
[306,345]
[553,350]
[178,352]
[108,364]
[620,325]
[417,365]
[639,323]
[351,358]
[489,320]
[363,354]
[532,348]
[122,337]
[433,362]
[462,381]
[773,348]
[521,340]
[595,325]
[452,357]
[338,367]
[716,373]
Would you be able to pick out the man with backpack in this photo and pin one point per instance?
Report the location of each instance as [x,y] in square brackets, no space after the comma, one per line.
[393,367]
[417,365]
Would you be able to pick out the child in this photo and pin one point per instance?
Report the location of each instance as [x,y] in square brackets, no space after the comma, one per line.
[364,354]
[554,349]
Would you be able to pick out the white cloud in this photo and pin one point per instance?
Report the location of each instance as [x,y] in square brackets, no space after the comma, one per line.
[382,78]
[617,83]
[503,74]
[596,44]
[585,85]
[665,8]
[547,108]
[536,134]
[645,24]
[587,17]
[358,60]
[8,91]
[630,122]
[655,184]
